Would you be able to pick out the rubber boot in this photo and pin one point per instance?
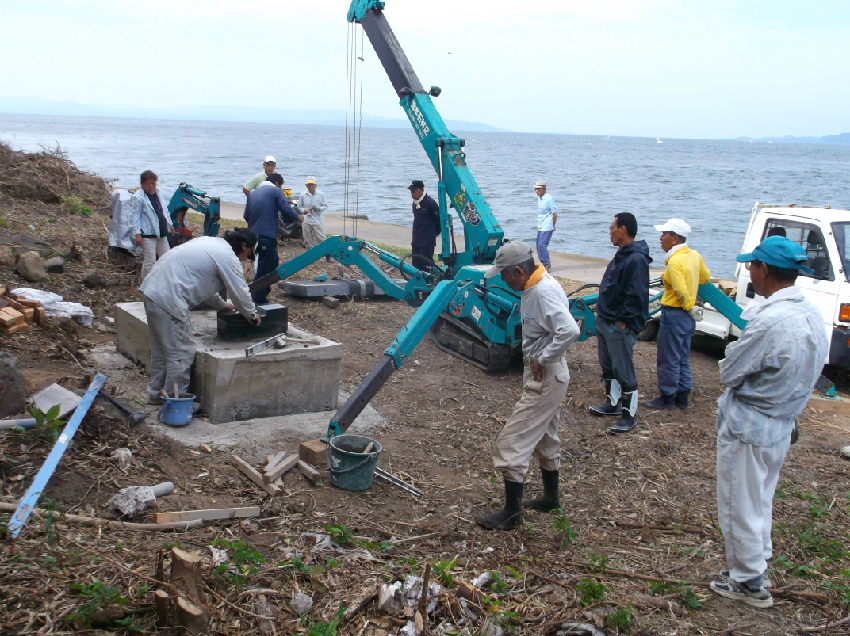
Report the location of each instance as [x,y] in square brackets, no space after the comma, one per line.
[549,501]
[629,413]
[662,402]
[510,517]
[612,404]
[681,400]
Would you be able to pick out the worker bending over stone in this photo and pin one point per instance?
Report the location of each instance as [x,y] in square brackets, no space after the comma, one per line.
[548,330]
[769,374]
[183,278]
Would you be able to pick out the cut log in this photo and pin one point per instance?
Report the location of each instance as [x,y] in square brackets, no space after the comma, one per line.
[308,471]
[189,616]
[253,474]
[162,603]
[281,467]
[186,574]
[207,515]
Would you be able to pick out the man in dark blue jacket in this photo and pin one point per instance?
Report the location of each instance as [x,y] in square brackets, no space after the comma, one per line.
[264,205]
[622,311]
[426,225]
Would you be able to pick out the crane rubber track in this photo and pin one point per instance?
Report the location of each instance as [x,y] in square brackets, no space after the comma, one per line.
[460,340]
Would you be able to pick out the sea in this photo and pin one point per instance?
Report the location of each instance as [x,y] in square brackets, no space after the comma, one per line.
[711,184]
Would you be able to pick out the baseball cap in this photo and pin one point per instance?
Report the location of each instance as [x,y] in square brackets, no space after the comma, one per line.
[310,180]
[510,254]
[416,185]
[540,184]
[269,159]
[677,226]
[779,252]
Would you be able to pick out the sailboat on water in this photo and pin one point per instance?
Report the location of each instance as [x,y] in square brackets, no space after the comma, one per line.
[658,140]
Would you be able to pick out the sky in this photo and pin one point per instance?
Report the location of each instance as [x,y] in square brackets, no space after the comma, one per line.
[668,68]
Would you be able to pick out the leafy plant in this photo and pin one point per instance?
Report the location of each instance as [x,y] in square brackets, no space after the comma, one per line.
[599,562]
[842,589]
[325,628]
[128,624]
[508,620]
[244,559]
[689,599]
[660,589]
[498,584]
[563,527]
[590,592]
[621,619]
[99,596]
[442,570]
[75,205]
[818,512]
[339,534]
[46,424]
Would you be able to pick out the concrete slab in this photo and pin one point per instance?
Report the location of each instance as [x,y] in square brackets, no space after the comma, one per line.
[232,387]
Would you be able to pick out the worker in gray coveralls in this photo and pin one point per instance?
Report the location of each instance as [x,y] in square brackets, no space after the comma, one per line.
[548,330]
[183,278]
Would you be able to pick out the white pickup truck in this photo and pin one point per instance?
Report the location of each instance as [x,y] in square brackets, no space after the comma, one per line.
[825,235]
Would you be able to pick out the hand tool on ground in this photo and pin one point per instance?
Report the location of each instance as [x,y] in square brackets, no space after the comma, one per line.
[25,423]
[134,418]
[278,342]
[395,481]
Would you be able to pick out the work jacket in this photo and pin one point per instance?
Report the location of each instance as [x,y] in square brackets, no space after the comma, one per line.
[426,222]
[684,274]
[263,207]
[624,290]
[143,218]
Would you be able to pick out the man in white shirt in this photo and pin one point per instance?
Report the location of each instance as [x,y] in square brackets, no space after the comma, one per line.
[312,205]
[547,217]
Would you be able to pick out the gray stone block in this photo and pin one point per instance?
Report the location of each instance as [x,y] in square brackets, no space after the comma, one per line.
[55,265]
[31,267]
[13,394]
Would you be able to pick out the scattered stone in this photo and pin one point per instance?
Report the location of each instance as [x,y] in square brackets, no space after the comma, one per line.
[94,279]
[123,456]
[132,500]
[31,267]
[7,256]
[330,301]
[56,395]
[390,598]
[845,452]
[28,242]
[301,604]
[13,395]
[55,265]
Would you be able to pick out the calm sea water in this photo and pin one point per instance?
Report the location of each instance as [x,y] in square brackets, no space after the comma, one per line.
[710,184]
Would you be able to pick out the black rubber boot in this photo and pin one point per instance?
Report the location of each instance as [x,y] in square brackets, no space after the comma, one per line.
[510,517]
[549,501]
[629,413]
[662,402]
[612,403]
[681,400]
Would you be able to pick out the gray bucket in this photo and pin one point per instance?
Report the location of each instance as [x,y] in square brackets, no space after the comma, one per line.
[349,467]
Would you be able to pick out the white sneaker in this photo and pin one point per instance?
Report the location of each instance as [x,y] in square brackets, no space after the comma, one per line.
[766,582]
[756,597]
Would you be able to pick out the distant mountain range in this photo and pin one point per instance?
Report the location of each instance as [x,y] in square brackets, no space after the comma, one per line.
[843,138]
[247,114]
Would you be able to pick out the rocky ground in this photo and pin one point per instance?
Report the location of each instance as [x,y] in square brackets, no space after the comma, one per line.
[638,528]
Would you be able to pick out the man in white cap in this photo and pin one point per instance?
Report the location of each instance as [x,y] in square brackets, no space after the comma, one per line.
[254,182]
[547,216]
[313,205]
[548,330]
[684,273]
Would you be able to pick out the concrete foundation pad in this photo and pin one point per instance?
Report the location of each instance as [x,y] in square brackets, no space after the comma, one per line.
[230,386]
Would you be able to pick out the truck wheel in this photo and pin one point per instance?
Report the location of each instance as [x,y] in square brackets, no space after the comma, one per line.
[650,331]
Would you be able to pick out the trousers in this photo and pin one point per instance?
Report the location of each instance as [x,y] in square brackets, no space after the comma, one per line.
[543,239]
[420,251]
[746,481]
[172,350]
[674,347]
[313,234]
[152,249]
[267,261]
[532,428]
[615,348]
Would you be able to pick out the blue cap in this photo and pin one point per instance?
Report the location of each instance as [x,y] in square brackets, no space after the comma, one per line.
[779,252]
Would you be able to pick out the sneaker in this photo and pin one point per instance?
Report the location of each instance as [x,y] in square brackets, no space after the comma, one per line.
[756,597]
[765,577]
[154,399]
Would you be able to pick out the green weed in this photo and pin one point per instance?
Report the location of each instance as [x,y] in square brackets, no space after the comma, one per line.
[498,584]
[563,527]
[46,425]
[689,599]
[598,562]
[75,205]
[325,628]
[442,570]
[244,559]
[621,619]
[660,589]
[339,533]
[590,592]
[98,596]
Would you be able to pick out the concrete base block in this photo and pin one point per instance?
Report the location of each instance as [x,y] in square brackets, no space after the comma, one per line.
[231,386]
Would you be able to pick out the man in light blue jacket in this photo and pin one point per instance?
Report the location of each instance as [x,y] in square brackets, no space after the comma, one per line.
[769,372]
[150,220]
[547,217]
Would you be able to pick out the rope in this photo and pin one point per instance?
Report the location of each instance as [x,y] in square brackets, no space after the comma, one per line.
[353,130]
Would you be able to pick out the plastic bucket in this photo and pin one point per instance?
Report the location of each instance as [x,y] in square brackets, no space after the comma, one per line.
[349,467]
[177,411]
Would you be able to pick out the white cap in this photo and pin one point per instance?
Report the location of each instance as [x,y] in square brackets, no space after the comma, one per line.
[677,226]
[310,180]
[540,184]
[269,159]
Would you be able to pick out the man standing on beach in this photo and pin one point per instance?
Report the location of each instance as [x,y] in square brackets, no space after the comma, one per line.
[261,213]
[548,330]
[254,182]
[313,204]
[547,217]
[769,374]
[426,226]
[622,311]
[684,273]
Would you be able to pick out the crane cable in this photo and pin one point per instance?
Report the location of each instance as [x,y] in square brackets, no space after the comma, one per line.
[353,130]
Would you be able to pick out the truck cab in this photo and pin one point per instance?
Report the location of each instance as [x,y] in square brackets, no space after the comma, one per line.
[825,235]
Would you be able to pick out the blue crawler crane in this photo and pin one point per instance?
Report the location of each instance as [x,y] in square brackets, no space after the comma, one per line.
[471,319]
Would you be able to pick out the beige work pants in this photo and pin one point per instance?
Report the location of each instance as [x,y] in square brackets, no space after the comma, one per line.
[313,234]
[152,248]
[533,427]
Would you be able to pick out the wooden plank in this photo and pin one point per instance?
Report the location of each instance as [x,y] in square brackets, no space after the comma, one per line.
[14,303]
[8,331]
[841,407]
[26,302]
[28,313]
[254,475]
[308,471]
[278,469]
[273,460]
[40,315]
[7,320]
[207,515]
[313,452]
[14,313]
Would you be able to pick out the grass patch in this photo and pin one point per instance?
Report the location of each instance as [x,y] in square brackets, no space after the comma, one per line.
[198,219]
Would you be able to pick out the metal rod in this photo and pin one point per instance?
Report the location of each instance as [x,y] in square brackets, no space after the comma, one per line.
[395,481]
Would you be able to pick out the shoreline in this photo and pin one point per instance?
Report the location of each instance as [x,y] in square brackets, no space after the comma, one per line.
[583,269]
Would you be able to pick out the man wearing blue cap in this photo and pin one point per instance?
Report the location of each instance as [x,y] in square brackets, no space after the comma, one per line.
[769,374]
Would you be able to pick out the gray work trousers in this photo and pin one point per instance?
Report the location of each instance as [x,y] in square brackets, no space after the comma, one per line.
[532,428]
[172,350]
[616,347]
[313,234]
[746,481]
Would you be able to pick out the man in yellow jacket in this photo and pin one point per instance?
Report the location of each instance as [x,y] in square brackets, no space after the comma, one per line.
[684,274]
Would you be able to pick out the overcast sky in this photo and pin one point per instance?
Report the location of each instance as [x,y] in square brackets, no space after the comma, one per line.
[669,68]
